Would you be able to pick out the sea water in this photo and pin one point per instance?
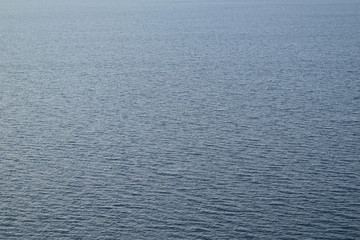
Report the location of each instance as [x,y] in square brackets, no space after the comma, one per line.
[175,119]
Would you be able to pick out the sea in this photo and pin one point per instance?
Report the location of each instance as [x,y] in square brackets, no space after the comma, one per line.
[179,119]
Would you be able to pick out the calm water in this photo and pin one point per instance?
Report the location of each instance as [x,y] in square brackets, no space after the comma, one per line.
[176,119]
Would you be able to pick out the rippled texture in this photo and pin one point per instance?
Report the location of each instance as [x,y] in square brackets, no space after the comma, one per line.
[179,119]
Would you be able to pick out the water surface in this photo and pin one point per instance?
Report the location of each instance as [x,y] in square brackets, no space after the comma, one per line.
[179,119]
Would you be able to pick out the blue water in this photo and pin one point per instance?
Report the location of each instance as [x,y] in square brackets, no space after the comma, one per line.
[177,119]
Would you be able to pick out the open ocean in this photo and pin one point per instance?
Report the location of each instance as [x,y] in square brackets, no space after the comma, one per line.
[179,119]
